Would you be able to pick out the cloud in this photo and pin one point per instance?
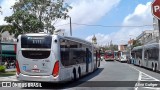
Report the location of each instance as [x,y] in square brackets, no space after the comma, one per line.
[101,38]
[87,11]
[6,11]
[141,16]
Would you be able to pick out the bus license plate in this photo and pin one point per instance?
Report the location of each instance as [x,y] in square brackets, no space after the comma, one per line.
[36,70]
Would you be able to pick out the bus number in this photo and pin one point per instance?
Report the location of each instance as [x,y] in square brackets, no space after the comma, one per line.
[37,41]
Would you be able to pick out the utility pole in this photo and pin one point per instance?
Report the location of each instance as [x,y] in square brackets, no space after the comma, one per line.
[159,30]
[1,40]
[159,41]
[70,26]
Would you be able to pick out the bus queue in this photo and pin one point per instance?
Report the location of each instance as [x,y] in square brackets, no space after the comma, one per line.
[55,58]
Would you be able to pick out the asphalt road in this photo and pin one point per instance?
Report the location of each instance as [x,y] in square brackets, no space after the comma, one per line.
[112,75]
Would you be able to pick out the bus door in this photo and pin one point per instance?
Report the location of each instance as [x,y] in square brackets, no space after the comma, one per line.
[87,59]
[99,58]
[90,61]
[96,58]
[146,58]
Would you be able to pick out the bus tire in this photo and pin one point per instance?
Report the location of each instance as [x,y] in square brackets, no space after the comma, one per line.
[79,72]
[156,67]
[153,67]
[139,63]
[74,74]
[95,66]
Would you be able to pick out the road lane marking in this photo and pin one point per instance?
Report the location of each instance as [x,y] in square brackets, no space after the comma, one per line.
[145,77]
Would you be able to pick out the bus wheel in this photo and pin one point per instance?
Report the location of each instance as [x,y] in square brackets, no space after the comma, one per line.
[153,68]
[156,68]
[140,64]
[79,72]
[74,74]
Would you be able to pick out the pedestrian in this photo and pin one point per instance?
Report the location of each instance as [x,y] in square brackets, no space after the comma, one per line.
[6,64]
[14,63]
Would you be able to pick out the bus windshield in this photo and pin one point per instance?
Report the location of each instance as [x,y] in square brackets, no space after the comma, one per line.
[109,53]
[36,41]
[125,53]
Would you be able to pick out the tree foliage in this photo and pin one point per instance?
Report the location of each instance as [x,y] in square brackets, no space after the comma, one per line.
[10,28]
[112,47]
[36,15]
[136,43]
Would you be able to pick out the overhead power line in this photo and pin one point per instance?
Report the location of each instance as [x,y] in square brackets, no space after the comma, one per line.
[62,25]
[94,25]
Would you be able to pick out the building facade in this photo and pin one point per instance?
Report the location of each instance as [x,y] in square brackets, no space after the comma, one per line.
[148,36]
[94,40]
[122,47]
[8,52]
[155,23]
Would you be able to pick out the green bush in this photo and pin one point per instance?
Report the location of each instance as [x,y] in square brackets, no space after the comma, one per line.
[2,68]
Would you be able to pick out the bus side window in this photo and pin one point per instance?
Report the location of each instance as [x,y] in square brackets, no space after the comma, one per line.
[149,54]
[64,52]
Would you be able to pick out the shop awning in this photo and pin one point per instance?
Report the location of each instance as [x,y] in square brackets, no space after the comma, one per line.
[7,55]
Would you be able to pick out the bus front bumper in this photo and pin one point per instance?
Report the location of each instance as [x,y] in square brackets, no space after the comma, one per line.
[123,60]
[110,59]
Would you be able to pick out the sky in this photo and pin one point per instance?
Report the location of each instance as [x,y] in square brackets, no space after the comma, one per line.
[108,20]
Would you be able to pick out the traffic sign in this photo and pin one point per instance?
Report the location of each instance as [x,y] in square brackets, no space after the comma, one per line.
[156,9]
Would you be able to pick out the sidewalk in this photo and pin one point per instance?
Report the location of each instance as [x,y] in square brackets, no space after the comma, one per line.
[12,69]
[9,78]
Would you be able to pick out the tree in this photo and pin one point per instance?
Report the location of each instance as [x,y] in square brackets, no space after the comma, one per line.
[112,47]
[37,15]
[136,43]
[4,28]
[10,28]
[115,47]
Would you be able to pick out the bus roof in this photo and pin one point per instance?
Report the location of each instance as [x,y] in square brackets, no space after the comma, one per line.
[37,34]
[136,48]
[153,45]
[147,46]
[77,40]
[59,36]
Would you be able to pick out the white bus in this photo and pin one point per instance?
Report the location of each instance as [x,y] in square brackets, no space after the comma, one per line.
[116,55]
[123,56]
[151,57]
[53,58]
[137,55]
[147,56]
